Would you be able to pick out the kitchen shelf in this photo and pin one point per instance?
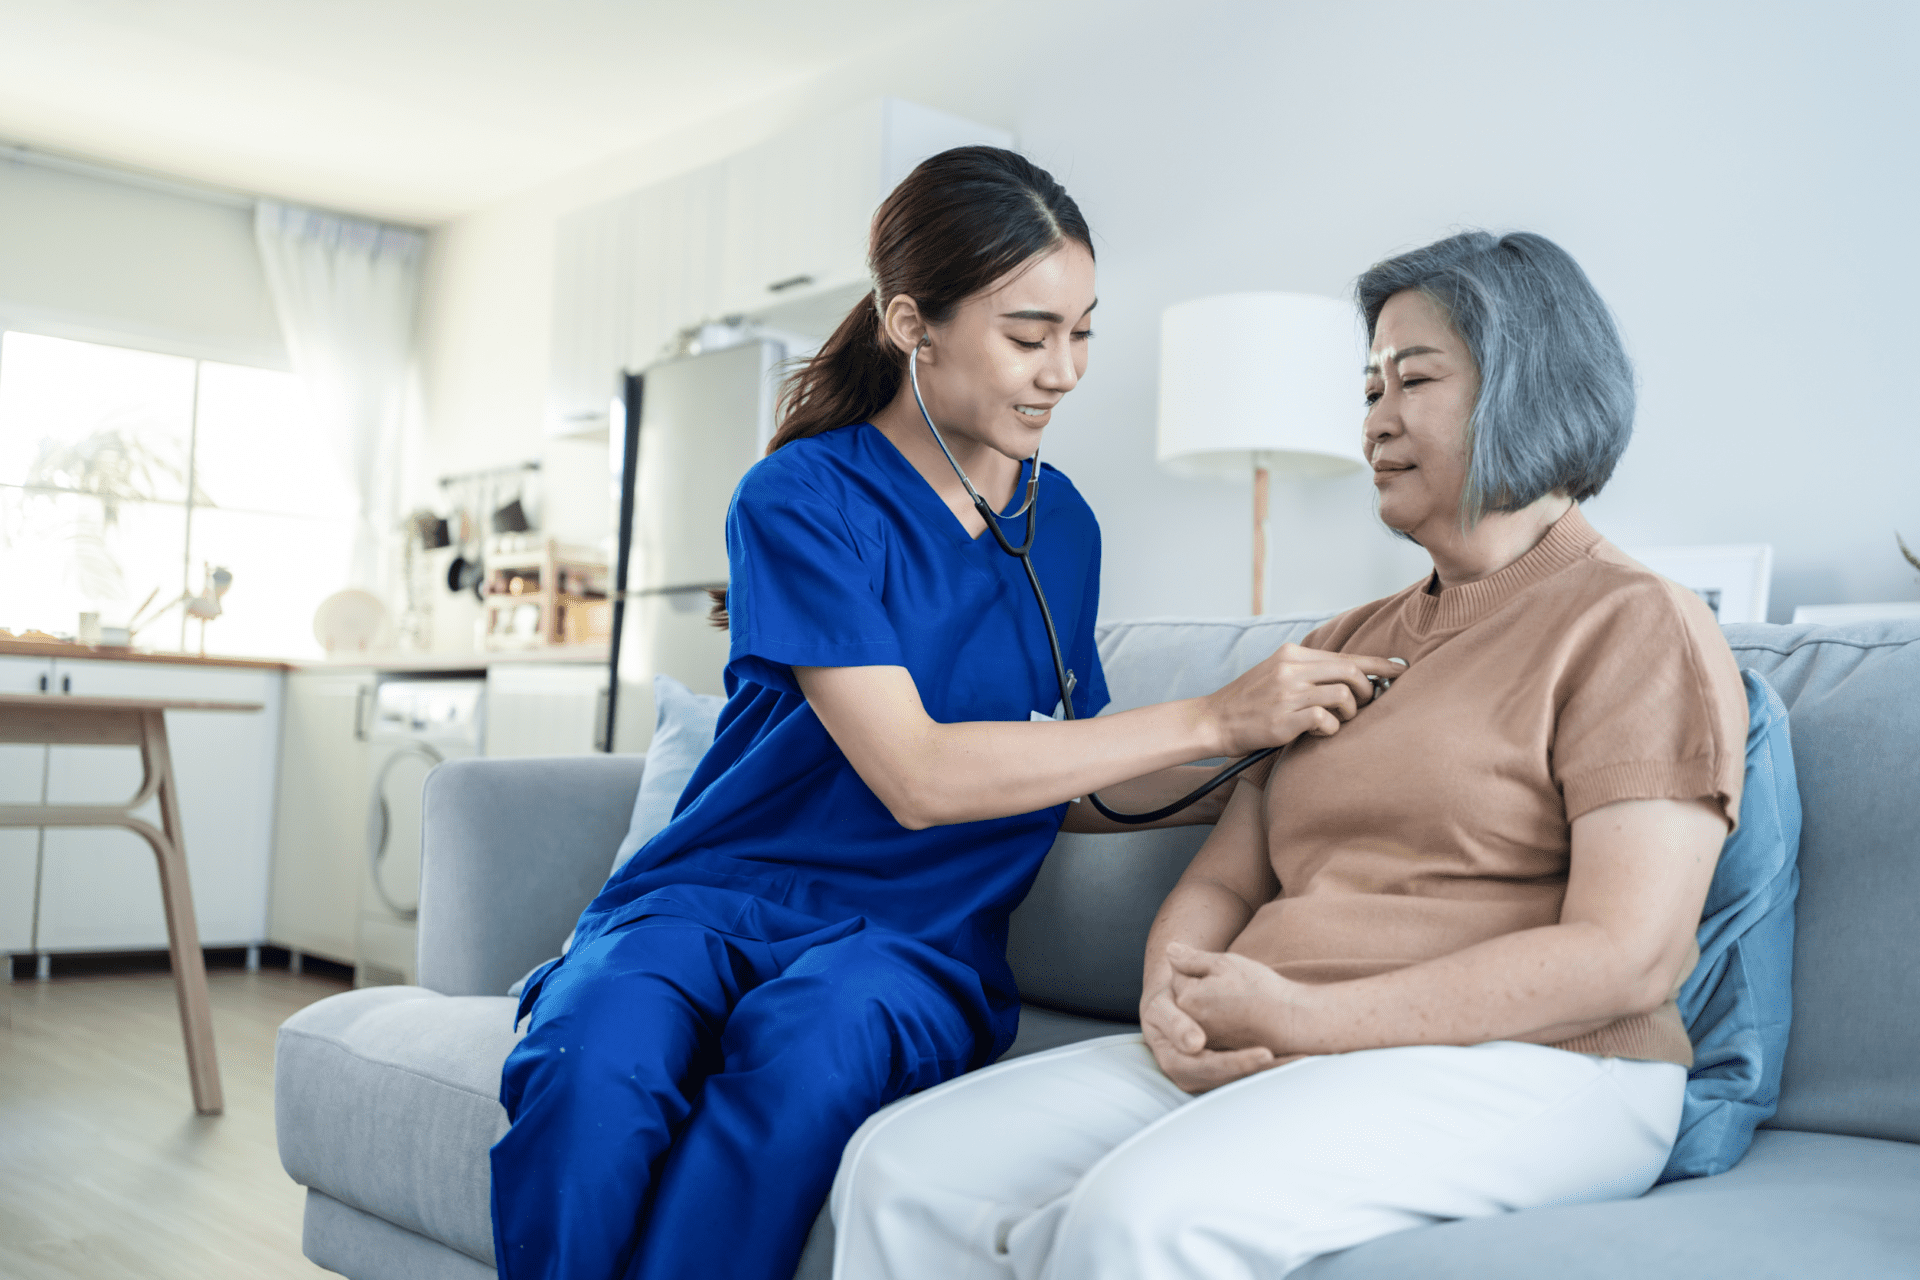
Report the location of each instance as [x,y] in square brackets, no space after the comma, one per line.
[558,618]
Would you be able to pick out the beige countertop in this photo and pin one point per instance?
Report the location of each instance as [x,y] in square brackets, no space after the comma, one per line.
[388,661]
[594,654]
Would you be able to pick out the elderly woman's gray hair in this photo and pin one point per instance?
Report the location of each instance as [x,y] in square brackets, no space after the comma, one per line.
[1556,400]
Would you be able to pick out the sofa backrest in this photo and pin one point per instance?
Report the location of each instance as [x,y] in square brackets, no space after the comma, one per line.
[1853,699]
[1853,707]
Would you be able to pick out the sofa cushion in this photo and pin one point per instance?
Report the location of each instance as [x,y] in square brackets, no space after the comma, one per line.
[360,1245]
[1738,1001]
[1075,943]
[1853,694]
[1798,1205]
[386,1099]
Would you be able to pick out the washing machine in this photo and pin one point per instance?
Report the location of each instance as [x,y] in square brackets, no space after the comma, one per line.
[417,724]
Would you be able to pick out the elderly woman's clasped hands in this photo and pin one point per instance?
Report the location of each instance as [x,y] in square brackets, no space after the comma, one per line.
[1220,1016]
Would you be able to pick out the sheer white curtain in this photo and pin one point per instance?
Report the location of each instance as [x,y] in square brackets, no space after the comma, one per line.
[346,292]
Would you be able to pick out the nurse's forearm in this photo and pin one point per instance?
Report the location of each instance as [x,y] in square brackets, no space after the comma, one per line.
[930,774]
[1155,790]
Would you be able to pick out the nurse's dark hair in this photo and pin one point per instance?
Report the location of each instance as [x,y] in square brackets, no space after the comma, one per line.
[960,221]
[1556,402]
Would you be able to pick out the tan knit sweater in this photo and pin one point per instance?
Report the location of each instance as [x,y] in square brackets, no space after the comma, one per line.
[1439,816]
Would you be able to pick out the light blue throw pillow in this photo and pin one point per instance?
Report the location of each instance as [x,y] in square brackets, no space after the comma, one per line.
[682,731]
[1739,999]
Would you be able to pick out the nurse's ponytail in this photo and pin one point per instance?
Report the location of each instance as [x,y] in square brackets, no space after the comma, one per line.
[955,225]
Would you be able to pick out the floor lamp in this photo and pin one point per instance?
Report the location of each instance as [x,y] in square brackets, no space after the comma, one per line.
[1267,383]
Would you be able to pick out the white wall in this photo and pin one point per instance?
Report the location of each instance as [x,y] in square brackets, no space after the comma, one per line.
[1739,181]
[107,259]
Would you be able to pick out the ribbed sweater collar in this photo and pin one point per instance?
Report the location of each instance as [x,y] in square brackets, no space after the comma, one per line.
[1458,607]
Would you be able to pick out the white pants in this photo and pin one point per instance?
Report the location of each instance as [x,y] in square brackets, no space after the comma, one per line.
[1088,1162]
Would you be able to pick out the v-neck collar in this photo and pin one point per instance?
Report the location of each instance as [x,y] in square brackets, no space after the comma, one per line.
[933,505]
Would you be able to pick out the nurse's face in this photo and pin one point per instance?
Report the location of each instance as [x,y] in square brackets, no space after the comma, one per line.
[993,373]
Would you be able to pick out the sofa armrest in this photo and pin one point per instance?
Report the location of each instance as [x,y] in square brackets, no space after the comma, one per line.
[511,850]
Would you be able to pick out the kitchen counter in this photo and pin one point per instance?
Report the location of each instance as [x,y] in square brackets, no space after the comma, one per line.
[586,654]
[70,651]
[595,654]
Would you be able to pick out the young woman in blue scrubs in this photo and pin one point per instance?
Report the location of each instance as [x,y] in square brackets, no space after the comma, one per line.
[821,928]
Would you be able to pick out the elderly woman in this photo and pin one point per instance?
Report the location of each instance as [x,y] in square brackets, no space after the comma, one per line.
[1424,967]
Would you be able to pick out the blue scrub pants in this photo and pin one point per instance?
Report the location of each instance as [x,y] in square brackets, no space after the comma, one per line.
[682,1095]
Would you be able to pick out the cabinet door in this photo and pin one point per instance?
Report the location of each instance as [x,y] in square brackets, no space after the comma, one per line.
[545,710]
[679,244]
[592,315]
[320,832]
[798,208]
[100,888]
[22,769]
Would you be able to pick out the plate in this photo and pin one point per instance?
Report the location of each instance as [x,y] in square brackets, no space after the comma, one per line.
[351,621]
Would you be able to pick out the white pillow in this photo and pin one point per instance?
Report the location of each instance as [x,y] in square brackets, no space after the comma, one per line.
[682,731]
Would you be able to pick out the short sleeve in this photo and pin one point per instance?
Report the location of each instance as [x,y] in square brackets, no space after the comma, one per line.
[801,593]
[1090,695]
[1651,706]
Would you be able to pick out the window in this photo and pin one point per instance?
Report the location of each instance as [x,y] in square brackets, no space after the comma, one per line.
[128,475]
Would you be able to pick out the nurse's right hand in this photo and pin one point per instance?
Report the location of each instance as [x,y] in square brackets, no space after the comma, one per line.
[1297,690]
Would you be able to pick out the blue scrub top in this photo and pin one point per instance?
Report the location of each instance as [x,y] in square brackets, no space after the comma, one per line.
[843,555]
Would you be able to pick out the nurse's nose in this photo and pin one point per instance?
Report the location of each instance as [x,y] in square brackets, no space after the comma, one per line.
[1058,372]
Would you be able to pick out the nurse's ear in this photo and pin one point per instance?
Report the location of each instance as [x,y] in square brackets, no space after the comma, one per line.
[904,327]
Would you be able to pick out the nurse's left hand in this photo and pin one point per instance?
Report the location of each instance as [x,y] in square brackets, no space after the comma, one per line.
[1240,1003]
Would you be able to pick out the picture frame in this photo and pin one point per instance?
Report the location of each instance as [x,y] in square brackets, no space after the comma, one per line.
[1735,581]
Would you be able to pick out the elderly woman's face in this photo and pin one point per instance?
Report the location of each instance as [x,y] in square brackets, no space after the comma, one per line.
[1421,387]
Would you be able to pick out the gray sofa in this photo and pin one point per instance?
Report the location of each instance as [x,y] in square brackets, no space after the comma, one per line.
[385,1097]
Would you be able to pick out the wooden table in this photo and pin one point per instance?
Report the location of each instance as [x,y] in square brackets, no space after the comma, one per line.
[63,720]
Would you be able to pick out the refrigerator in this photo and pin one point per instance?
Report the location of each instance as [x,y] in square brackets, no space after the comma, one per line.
[686,430]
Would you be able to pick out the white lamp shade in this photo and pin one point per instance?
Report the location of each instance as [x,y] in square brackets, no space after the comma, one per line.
[1260,379]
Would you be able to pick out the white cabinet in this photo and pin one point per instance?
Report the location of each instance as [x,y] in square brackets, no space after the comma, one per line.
[320,831]
[93,889]
[99,888]
[22,771]
[679,255]
[592,315]
[798,207]
[546,709]
[759,234]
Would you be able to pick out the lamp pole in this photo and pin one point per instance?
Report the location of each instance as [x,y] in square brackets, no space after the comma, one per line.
[1259,535]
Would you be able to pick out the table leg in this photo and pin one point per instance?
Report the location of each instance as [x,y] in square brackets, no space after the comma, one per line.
[183,933]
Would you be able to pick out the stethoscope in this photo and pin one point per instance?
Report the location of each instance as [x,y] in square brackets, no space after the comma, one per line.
[1066,679]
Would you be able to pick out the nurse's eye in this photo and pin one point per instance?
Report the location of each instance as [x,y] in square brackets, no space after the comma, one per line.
[1081,335]
[1024,345]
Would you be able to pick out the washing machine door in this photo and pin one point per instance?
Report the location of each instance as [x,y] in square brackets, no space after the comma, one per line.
[393,827]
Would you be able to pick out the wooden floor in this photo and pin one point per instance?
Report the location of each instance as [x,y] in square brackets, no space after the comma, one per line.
[105,1170]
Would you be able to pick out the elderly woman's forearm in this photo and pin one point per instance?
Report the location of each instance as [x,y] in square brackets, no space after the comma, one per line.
[1540,986]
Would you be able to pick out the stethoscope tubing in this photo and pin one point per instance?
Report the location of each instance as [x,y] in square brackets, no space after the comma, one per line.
[1031,509]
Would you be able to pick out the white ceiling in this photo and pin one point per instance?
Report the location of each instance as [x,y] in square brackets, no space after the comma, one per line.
[412,110]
